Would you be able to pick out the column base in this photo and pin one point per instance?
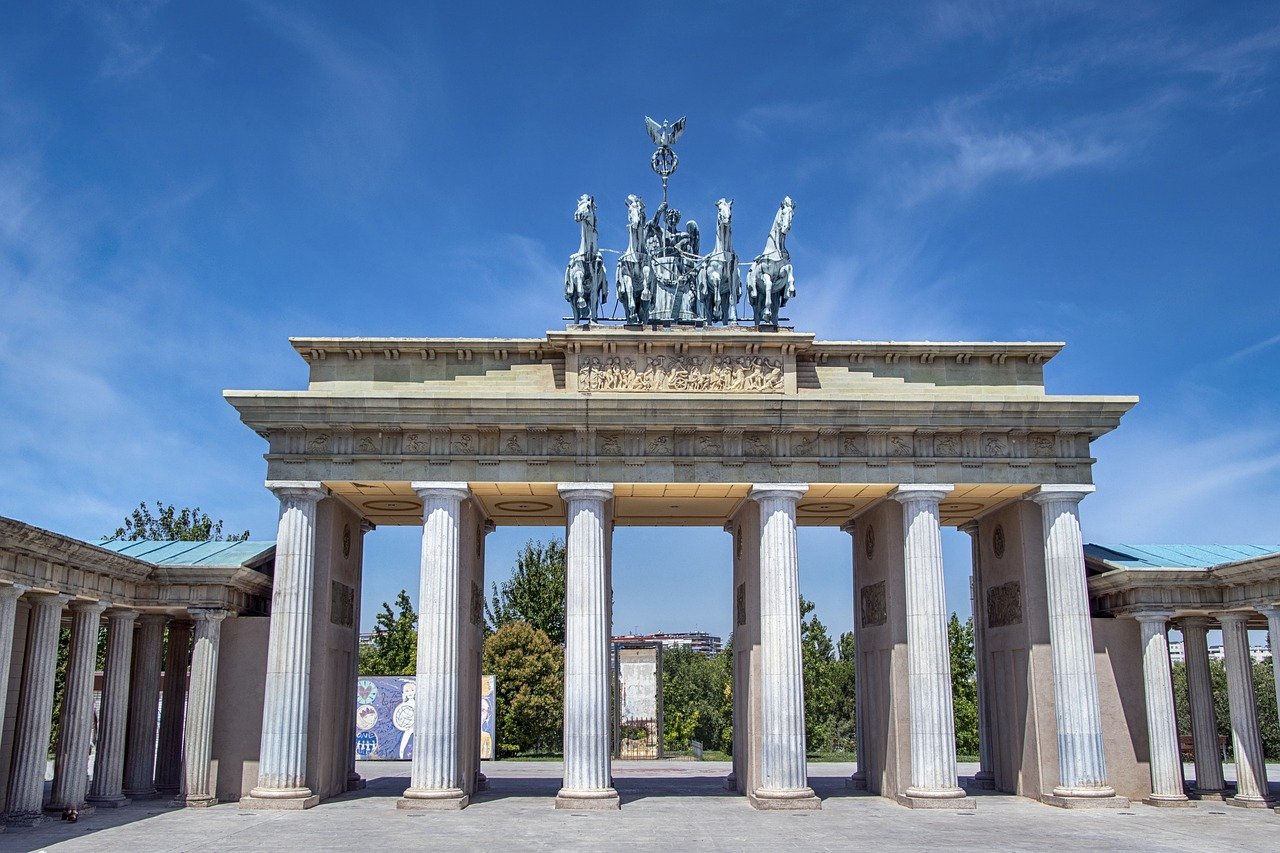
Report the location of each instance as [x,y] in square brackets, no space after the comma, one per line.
[193,802]
[1076,802]
[444,800]
[109,802]
[954,799]
[985,779]
[82,810]
[858,781]
[1251,802]
[356,783]
[599,799]
[26,818]
[482,781]
[1169,802]
[1216,796]
[143,794]
[731,782]
[291,801]
[802,799]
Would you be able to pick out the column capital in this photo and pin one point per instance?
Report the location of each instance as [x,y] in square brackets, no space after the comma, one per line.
[426,489]
[209,614]
[86,606]
[933,492]
[1151,615]
[970,527]
[298,490]
[1271,611]
[49,599]
[367,526]
[122,614]
[153,618]
[786,491]
[489,526]
[585,491]
[1061,492]
[850,527]
[1193,620]
[1231,617]
[14,590]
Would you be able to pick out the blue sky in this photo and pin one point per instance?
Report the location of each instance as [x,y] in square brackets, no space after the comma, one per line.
[183,186]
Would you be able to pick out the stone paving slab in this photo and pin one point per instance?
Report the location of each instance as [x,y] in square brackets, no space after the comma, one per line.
[667,805]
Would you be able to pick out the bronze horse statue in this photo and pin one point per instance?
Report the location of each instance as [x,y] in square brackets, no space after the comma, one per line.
[770,281]
[586,285]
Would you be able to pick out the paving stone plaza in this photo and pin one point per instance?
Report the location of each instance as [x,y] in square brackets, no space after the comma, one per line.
[665,805]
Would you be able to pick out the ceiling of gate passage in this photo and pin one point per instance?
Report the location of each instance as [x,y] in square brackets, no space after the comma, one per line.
[659,504]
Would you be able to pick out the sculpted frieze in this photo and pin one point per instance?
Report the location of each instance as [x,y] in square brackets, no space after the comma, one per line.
[726,373]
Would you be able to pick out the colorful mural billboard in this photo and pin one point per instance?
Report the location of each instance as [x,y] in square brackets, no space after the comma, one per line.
[384,717]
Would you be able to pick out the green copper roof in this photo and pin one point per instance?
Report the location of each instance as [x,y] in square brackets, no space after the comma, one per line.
[170,552]
[1175,556]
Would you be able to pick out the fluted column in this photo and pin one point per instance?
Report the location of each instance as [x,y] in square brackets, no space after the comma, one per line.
[172,709]
[588,783]
[144,705]
[1273,637]
[197,734]
[858,780]
[932,723]
[354,781]
[435,780]
[1162,720]
[1204,724]
[75,726]
[282,764]
[1082,763]
[784,769]
[108,766]
[9,596]
[1246,738]
[25,799]
[986,777]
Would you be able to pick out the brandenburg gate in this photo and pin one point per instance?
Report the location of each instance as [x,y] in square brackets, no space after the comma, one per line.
[749,430]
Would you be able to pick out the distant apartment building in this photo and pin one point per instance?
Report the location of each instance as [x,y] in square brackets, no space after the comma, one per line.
[699,641]
[1258,653]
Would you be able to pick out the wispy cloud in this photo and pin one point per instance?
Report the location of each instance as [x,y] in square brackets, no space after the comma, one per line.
[124,29]
[1252,349]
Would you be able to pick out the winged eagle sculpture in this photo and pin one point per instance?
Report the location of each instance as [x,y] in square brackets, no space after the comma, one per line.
[664,135]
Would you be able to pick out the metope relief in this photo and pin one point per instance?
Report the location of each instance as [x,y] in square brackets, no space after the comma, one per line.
[733,373]
[1004,605]
[874,605]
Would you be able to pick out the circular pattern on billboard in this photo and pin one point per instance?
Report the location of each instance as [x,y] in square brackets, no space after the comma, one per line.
[366,717]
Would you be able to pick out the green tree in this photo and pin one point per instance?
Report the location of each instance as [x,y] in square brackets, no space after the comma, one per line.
[841,729]
[529,671]
[817,656]
[394,650]
[188,524]
[1263,688]
[697,702]
[534,594]
[964,684]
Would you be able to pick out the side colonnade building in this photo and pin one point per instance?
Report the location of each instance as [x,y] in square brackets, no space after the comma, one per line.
[163,605]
